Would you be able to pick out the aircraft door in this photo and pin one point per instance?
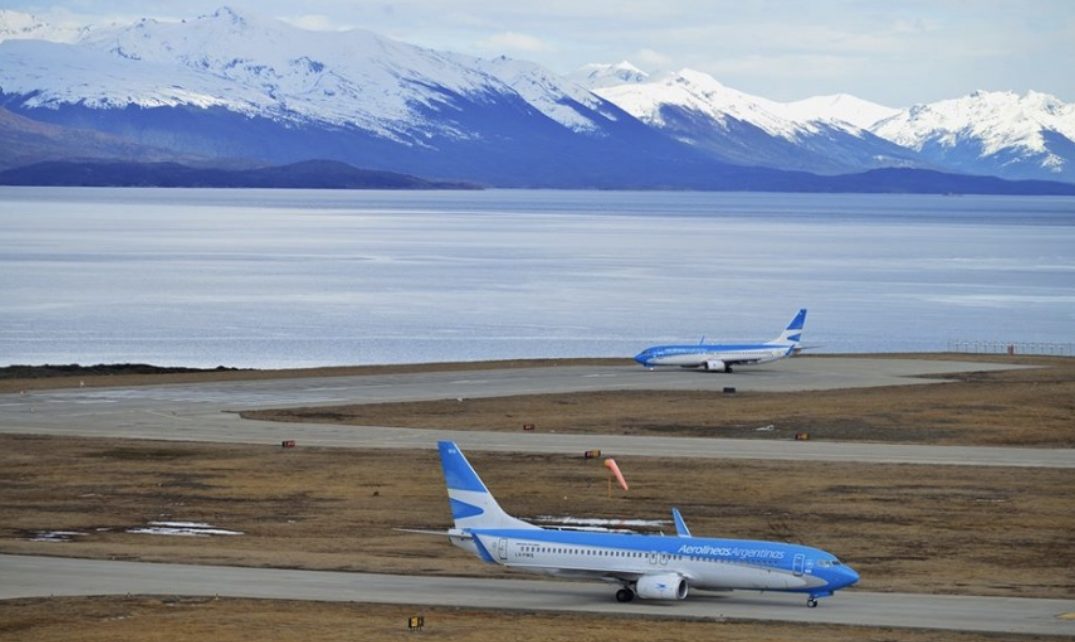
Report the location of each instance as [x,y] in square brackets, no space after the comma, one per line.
[797,565]
[502,549]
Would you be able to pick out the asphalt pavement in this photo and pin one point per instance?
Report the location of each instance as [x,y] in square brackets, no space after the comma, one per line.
[26,576]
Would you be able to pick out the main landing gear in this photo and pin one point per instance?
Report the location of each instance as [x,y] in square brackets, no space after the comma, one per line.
[625,595]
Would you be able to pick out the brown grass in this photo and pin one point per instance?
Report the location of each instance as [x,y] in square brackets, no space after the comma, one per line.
[1030,407]
[935,529]
[151,619]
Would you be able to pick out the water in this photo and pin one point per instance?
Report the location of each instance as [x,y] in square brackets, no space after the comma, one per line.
[266,278]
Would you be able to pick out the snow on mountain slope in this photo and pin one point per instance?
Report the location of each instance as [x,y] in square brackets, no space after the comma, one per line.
[734,126]
[596,75]
[565,102]
[700,93]
[838,107]
[50,74]
[265,67]
[1016,132]
[352,78]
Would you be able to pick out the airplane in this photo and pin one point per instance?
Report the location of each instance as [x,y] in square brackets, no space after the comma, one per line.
[652,567]
[718,357]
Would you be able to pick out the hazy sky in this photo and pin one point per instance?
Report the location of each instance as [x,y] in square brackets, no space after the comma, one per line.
[896,52]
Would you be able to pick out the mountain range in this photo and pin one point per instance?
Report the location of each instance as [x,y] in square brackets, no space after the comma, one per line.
[238,90]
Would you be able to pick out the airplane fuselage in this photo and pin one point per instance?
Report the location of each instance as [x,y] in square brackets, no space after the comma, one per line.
[697,355]
[705,563]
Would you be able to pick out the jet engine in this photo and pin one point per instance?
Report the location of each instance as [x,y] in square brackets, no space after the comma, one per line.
[666,586]
[716,365]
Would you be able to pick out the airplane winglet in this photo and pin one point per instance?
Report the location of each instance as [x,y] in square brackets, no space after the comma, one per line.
[681,526]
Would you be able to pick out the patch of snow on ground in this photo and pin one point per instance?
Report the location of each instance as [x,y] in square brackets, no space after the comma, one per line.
[182,529]
[55,536]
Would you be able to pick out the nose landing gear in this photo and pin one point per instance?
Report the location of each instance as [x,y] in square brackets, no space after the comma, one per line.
[811,602]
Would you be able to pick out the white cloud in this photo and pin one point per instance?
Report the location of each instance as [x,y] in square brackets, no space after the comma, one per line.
[515,41]
[316,22]
[650,59]
[785,66]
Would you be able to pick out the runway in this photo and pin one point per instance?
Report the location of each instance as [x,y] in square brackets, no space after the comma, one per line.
[206,411]
[26,576]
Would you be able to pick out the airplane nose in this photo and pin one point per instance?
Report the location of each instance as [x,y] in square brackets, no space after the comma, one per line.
[850,576]
[641,358]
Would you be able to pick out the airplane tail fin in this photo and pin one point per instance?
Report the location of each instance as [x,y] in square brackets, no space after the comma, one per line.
[794,332]
[472,504]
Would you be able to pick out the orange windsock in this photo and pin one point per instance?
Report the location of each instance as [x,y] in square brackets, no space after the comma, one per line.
[610,464]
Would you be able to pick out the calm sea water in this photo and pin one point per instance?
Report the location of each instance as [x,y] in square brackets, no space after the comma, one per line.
[298,278]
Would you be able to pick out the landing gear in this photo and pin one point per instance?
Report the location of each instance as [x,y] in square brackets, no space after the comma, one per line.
[811,603]
[625,595]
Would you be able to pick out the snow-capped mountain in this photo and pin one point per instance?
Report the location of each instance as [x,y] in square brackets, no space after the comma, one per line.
[249,65]
[235,85]
[820,135]
[251,90]
[999,133]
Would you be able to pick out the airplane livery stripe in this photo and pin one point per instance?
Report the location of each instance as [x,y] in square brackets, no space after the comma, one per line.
[462,510]
[706,547]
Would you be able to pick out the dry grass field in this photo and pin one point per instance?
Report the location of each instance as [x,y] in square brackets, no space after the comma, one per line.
[1027,407]
[53,381]
[987,531]
[181,619]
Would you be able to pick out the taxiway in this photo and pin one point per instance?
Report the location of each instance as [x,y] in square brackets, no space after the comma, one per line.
[26,576]
[207,411]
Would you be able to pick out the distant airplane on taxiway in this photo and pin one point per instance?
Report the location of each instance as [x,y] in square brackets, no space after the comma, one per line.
[720,357]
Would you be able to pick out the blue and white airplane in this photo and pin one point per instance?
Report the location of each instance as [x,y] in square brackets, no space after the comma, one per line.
[720,357]
[654,567]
